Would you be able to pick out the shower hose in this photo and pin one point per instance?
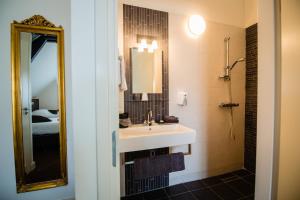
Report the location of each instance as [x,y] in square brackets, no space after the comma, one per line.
[231,133]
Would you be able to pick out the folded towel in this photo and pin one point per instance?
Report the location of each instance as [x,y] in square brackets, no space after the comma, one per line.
[177,162]
[158,165]
[171,119]
[122,75]
[123,115]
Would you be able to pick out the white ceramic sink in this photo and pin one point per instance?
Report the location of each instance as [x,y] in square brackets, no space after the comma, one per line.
[139,137]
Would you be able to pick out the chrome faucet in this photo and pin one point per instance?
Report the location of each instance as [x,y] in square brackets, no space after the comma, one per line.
[149,118]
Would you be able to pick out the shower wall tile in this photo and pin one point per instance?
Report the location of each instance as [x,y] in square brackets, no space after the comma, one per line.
[251,98]
[146,22]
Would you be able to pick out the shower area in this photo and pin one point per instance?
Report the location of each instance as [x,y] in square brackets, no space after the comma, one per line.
[250,128]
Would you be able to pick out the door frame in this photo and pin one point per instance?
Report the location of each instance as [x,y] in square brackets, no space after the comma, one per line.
[29,163]
[95,98]
[267,100]
[106,15]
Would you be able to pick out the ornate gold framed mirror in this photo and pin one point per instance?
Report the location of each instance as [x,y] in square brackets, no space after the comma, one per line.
[38,100]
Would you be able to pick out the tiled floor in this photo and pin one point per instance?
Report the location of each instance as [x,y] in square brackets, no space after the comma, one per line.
[231,186]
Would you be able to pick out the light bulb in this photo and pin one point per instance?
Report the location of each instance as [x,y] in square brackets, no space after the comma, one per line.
[154,44]
[150,49]
[140,48]
[196,25]
[144,43]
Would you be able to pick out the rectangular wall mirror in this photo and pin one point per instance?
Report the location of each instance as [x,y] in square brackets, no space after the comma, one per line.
[38,104]
[146,69]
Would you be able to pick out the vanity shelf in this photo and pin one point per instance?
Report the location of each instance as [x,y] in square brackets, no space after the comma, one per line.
[137,138]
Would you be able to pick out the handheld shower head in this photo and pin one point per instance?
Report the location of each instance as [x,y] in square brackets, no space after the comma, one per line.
[241,59]
[237,61]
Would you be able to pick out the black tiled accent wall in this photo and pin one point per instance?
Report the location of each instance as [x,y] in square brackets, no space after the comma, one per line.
[251,98]
[139,21]
[150,23]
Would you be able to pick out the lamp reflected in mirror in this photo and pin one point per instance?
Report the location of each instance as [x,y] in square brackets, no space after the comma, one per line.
[150,44]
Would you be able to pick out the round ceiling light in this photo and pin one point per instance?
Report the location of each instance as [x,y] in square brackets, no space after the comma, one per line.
[196,25]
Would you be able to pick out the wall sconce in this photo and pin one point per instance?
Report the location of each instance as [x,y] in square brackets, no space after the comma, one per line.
[196,25]
[151,45]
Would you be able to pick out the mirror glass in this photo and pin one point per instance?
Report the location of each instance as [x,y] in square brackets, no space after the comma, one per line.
[40,107]
[146,71]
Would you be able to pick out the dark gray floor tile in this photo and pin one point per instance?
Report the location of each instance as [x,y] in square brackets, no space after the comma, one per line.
[176,189]
[133,197]
[250,179]
[194,185]
[229,186]
[228,177]
[242,187]
[242,172]
[226,192]
[184,196]
[251,197]
[155,195]
[212,181]
[205,194]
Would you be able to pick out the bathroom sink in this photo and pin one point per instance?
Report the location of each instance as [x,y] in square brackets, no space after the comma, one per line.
[140,137]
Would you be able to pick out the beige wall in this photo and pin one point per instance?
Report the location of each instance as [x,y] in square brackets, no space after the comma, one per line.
[289,159]
[195,65]
[250,12]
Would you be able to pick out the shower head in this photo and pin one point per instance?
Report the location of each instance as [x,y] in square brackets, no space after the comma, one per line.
[237,61]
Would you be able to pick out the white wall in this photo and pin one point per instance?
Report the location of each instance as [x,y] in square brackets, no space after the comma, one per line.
[57,12]
[289,159]
[195,65]
[84,112]
[44,75]
[250,12]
